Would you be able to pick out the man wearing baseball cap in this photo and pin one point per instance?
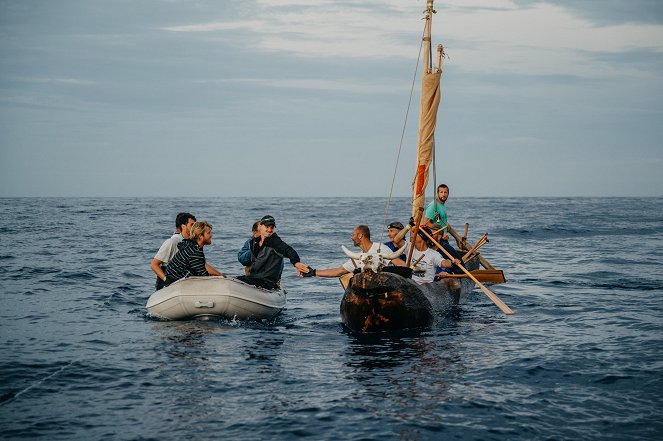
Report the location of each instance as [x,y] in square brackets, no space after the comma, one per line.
[396,233]
[267,252]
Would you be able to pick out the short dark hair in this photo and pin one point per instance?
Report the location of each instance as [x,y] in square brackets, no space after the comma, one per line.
[442,186]
[363,229]
[183,219]
[254,228]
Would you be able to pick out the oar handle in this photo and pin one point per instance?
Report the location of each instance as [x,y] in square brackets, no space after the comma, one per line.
[482,240]
[500,304]
[418,260]
[414,231]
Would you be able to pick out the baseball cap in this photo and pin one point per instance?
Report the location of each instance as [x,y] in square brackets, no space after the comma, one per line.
[268,220]
[397,225]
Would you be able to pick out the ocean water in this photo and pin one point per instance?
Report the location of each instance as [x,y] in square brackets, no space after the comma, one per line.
[581,358]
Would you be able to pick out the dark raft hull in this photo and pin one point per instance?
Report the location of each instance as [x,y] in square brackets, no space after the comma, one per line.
[387,302]
[382,302]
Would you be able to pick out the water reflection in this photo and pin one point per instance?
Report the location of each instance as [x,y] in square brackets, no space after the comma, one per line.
[207,365]
[408,377]
[185,339]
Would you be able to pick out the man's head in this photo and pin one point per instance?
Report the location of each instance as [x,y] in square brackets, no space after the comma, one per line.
[266,226]
[360,233]
[183,223]
[421,242]
[254,229]
[201,233]
[393,229]
[442,193]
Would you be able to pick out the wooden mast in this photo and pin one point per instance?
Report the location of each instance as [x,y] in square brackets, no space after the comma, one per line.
[430,101]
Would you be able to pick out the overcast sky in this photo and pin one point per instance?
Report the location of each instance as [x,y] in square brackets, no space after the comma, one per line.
[308,98]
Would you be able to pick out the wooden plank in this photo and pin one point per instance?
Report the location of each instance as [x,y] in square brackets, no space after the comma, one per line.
[486,276]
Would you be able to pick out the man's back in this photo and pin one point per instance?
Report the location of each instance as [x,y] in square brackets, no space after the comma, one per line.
[169,248]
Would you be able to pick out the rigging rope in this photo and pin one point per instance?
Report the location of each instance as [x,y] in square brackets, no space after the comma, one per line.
[400,146]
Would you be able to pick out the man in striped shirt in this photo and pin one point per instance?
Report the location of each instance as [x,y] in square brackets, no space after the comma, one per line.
[190,258]
[183,224]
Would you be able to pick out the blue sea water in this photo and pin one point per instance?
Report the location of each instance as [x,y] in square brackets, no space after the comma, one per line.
[581,358]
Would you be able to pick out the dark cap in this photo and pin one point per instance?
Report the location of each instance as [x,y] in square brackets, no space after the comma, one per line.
[268,220]
[397,225]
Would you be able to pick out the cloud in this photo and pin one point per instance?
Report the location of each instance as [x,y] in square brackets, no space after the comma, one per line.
[480,35]
[62,81]
[340,85]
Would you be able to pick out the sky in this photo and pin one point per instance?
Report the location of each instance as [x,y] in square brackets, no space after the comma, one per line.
[309,98]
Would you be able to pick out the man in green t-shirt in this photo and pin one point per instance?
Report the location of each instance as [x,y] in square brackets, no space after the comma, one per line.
[436,212]
[435,218]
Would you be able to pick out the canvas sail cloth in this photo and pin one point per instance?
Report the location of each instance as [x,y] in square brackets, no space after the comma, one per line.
[430,101]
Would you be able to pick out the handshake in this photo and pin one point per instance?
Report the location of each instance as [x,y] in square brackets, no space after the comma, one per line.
[311,272]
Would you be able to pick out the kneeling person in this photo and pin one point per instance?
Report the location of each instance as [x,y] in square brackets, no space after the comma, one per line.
[267,252]
[425,260]
[190,258]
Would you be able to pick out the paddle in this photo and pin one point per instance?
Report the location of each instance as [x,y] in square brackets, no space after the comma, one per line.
[485,276]
[413,233]
[459,241]
[482,240]
[500,304]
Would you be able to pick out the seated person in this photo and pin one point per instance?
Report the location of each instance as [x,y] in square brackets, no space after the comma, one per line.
[425,260]
[244,255]
[361,238]
[396,233]
[183,223]
[190,258]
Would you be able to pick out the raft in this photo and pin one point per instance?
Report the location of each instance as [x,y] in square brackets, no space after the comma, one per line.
[201,297]
[386,302]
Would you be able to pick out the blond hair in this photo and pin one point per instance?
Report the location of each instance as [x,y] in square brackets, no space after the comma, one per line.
[198,229]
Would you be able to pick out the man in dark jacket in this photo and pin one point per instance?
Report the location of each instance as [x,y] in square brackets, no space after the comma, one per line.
[267,253]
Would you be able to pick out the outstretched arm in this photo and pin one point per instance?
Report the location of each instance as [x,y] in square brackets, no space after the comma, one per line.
[331,272]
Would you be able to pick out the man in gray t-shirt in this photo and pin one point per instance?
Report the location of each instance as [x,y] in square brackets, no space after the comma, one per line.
[183,224]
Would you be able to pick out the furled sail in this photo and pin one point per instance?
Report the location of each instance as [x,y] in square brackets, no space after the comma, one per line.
[430,101]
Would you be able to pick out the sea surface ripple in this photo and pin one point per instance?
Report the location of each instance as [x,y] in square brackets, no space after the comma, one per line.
[581,358]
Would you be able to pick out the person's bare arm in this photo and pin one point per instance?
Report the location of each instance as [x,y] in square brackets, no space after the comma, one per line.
[398,262]
[156,267]
[331,272]
[401,234]
[213,271]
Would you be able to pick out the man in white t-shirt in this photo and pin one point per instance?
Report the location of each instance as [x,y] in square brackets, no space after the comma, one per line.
[183,224]
[361,237]
[424,260]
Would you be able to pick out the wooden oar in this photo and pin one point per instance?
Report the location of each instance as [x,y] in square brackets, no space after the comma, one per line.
[437,231]
[482,240]
[483,260]
[485,276]
[413,233]
[496,300]
[467,227]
